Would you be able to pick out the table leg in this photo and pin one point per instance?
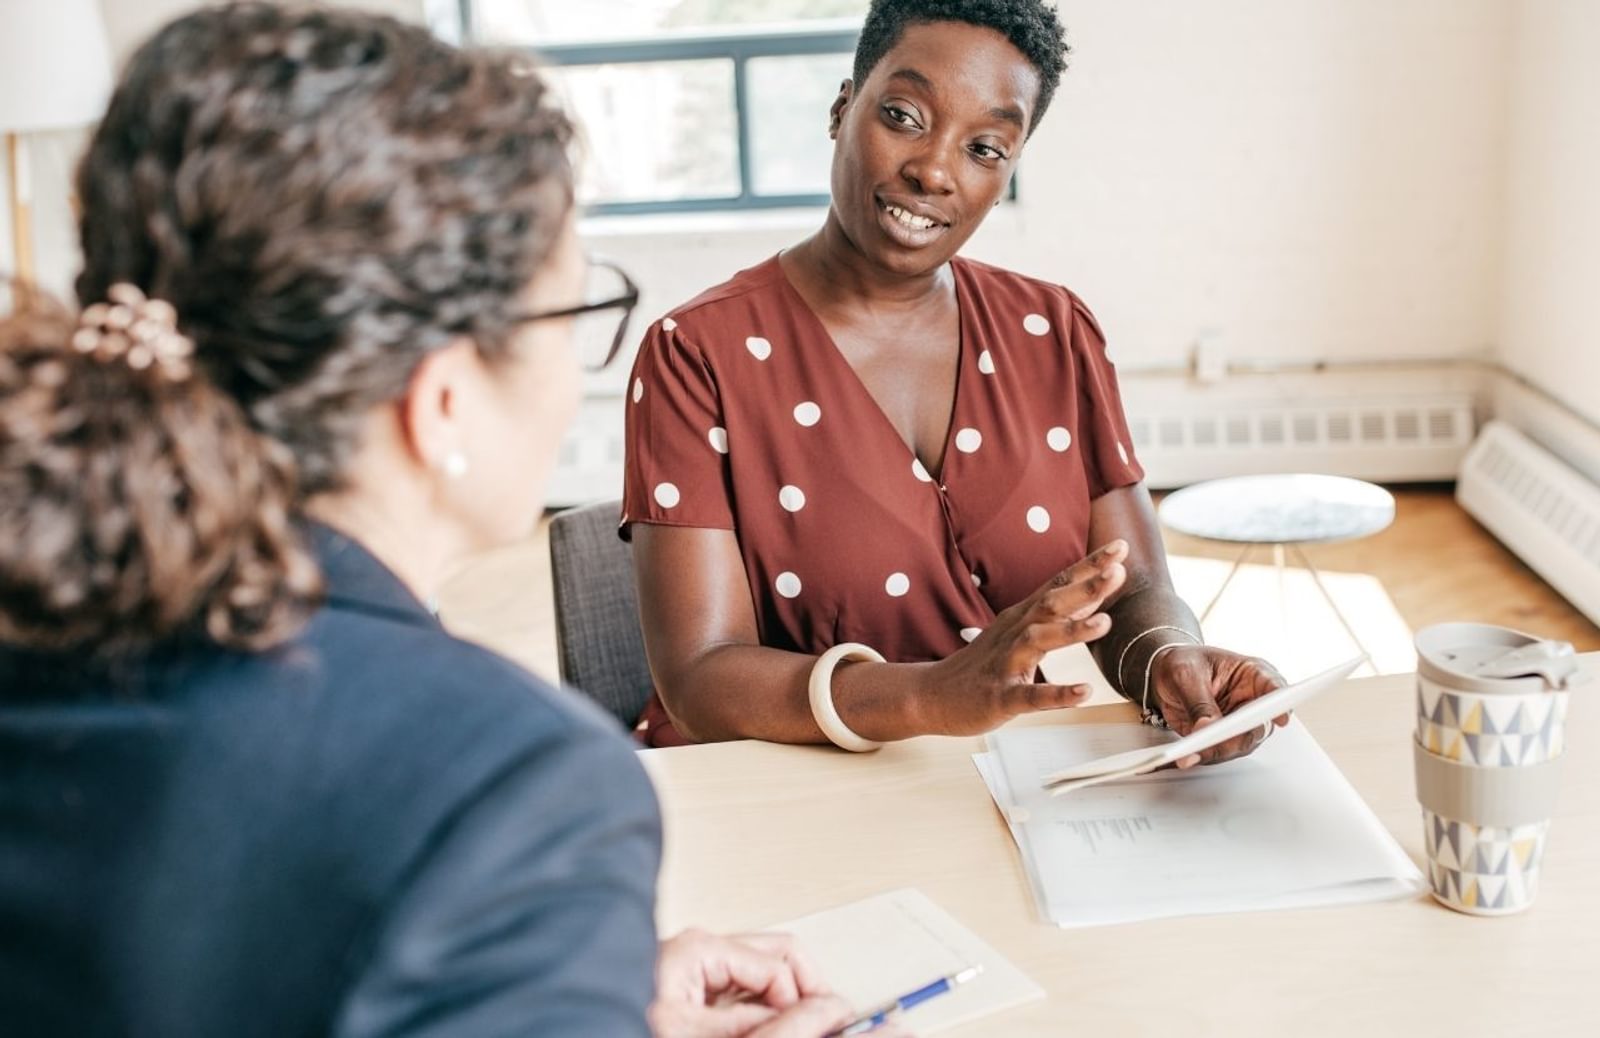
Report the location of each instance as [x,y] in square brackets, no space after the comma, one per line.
[1283,593]
[1317,579]
[1225,582]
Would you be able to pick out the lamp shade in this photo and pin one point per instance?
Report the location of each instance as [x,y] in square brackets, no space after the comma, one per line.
[55,67]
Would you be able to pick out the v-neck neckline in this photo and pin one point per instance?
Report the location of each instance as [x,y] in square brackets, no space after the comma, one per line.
[937,478]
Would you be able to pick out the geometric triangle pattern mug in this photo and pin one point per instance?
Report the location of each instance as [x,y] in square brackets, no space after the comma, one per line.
[1487,752]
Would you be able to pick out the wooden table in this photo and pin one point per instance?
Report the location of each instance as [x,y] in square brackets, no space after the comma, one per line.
[760,833]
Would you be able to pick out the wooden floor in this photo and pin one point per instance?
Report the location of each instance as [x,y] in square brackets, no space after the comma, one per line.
[1434,564]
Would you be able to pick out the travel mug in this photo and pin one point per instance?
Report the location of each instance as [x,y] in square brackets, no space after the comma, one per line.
[1490,732]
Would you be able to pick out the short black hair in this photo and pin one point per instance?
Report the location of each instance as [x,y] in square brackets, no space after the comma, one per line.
[1031,25]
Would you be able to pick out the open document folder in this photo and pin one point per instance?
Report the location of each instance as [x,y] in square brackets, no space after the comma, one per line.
[1281,828]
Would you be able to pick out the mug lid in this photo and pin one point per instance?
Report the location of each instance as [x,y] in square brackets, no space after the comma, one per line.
[1486,657]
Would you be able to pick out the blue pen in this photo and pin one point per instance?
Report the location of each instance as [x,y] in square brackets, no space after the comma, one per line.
[876,1018]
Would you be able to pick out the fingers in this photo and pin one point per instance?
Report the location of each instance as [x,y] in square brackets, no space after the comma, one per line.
[808,1019]
[1105,555]
[755,972]
[734,1020]
[1238,746]
[807,980]
[1246,679]
[1048,635]
[1183,693]
[1085,589]
[1028,699]
[699,967]
[1066,612]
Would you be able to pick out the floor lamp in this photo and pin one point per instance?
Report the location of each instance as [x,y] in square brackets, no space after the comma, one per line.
[55,73]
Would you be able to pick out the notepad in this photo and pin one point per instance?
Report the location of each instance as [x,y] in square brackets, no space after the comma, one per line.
[1281,828]
[878,949]
[1254,714]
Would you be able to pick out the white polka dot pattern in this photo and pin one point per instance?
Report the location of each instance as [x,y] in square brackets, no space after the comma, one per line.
[822,475]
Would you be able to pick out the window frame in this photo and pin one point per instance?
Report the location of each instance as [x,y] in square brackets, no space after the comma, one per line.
[795,39]
[792,39]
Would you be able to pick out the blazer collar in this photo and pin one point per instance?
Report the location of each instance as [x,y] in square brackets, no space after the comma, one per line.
[358,581]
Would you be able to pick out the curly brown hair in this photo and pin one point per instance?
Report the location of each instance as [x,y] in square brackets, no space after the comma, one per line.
[324,196]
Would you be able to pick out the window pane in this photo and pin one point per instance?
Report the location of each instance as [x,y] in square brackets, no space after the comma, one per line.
[655,131]
[550,21]
[789,99]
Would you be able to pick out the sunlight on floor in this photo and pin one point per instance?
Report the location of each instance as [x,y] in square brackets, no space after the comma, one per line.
[1293,626]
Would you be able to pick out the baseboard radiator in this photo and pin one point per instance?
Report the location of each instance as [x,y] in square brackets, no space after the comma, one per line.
[1395,439]
[1539,507]
[1415,438]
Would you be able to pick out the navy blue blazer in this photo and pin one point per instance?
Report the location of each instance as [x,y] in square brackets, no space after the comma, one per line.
[376,829]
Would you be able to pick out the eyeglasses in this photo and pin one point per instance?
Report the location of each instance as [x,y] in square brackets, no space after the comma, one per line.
[597,331]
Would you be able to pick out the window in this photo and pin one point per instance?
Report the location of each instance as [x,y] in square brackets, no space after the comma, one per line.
[689,104]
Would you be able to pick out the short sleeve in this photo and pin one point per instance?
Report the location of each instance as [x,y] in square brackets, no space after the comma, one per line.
[676,468]
[1109,461]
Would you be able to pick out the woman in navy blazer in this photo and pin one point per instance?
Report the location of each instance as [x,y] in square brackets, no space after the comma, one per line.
[248,784]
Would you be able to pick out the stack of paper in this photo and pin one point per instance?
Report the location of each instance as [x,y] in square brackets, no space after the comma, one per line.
[1281,828]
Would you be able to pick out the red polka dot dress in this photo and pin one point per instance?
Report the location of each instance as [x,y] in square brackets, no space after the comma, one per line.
[743,415]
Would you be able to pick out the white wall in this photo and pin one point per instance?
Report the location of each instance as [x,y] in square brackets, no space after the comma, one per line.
[53,156]
[1301,179]
[1550,333]
[128,22]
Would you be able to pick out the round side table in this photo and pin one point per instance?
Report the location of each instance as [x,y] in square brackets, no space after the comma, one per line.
[1282,511]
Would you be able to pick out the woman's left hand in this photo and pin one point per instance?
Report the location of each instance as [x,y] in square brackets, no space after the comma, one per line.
[1194,685]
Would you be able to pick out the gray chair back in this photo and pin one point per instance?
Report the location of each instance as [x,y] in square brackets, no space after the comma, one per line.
[597,610]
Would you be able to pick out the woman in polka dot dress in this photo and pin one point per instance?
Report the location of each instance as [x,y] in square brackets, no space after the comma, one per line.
[868,439]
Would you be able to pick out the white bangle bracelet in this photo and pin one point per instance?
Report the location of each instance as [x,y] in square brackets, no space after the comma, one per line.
[821,690]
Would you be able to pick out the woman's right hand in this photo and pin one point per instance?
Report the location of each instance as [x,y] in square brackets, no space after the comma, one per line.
[747,986]
[987,683]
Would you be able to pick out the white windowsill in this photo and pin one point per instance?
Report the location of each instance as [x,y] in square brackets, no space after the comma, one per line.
[726,221]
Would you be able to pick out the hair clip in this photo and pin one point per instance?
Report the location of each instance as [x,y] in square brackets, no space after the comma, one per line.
[139,331]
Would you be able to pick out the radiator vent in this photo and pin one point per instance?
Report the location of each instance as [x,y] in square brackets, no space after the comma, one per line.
[1314,425]
[1540,508]
[1411,438]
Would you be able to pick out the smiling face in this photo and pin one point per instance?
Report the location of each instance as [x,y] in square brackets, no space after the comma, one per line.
[928,142]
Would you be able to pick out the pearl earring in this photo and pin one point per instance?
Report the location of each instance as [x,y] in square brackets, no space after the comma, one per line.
[455,464]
